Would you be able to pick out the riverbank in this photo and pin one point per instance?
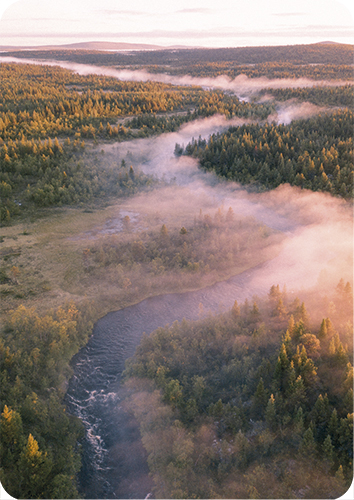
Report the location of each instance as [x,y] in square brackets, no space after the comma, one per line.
[43,262]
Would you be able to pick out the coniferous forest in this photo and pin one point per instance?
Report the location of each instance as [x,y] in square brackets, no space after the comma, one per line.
[315,154]
[254,402]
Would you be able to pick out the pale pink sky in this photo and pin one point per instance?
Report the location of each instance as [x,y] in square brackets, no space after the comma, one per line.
[217,23]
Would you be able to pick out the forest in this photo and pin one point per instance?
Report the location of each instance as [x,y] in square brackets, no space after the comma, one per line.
[258,70]
[233,413]
[47,114]
[253,403]
[39,448]
[314,153]
[320,95]
[291,56]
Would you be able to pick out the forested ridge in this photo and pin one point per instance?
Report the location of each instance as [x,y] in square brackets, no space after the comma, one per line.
[269,70]
[316,153]
[41,102]
[254,403]
[328,54]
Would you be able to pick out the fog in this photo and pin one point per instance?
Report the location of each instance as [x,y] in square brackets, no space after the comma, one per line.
[318,226]
[316,252]
[291,110]
[242,86]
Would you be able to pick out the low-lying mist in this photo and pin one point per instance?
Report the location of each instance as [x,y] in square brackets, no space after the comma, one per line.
[242,85]
[318,248]
[319,227]
[291,110]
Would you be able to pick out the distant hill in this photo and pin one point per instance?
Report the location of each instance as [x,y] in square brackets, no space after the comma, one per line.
[123,54]
[110,46]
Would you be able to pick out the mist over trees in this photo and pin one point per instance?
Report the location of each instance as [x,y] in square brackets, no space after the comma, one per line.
[47,114]
[320,95]
[254,403]
[316,154]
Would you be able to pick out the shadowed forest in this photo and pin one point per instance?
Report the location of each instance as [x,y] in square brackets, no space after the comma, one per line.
[150,173]
[233,407]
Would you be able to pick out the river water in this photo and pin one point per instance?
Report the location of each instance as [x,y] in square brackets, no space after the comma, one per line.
[114,461]
[94,394]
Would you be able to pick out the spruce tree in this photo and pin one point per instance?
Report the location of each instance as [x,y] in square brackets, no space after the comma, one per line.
[270,414]
[322,334]
[328,450]
[308,445]
[259,402]
[34,468]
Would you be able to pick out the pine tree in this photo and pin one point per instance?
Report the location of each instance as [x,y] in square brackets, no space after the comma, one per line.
[303,315]
[270,414]
[131,173]
[34,467]
[279,310]
[332,348]
[298,330]
[340,479]
[11,437]
[348,383]
[281,367]
[348,292]
[299,421]
[230,216]
[291,325]
[259,402]
[321,416]
[274,294]
[341,355]
[246,308]
[287,343]
[348,401]
[255,311]
[333,426]
[164,236]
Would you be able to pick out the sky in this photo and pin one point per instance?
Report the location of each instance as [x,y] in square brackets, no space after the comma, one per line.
[206,23]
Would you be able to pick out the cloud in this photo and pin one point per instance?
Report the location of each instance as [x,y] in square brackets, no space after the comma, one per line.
[200,10]
[289,14]
[112,12]
[227,32]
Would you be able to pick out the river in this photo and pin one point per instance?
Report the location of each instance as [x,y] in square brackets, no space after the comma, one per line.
[114,461]
[319,241]
[94,392]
